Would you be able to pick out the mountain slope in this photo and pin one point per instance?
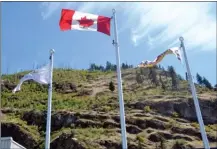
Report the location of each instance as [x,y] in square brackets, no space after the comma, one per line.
[85,113]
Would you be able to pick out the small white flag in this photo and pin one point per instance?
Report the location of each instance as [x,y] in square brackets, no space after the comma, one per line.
[40,75]
[177,52]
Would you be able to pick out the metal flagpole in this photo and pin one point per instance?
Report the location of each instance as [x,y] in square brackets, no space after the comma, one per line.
[196,103]
[48,126]
[120,90]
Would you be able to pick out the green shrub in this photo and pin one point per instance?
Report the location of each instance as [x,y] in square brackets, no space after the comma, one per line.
[111,86]
[175,115]
[140,139]
[106,108]
[195,125]
[179,144]
[172,123]
[147,109]
[162,143]
[213,127]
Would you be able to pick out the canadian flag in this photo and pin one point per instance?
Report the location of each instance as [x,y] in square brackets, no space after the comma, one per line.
[75,20]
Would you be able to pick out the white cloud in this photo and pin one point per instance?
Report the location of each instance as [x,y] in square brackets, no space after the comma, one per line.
[49,8]
[155,23]
[150,40]
[190,20]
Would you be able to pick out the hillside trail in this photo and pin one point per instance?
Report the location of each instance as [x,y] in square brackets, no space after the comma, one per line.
[100,85]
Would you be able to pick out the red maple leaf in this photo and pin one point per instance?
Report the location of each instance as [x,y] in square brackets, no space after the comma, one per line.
[84,22]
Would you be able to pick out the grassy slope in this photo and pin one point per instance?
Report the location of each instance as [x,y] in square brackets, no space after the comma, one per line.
[34,96]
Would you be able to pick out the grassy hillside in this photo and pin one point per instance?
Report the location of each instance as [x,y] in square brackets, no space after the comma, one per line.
[85,109]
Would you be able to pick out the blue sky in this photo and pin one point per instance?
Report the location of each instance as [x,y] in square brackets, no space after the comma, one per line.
[145,29]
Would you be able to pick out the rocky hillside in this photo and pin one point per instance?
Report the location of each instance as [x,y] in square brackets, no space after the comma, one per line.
[85,113]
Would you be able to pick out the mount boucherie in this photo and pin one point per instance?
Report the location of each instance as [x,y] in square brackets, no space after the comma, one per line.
[159,109]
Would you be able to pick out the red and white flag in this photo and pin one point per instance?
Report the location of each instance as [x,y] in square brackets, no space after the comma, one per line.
[175,50]
[75,20]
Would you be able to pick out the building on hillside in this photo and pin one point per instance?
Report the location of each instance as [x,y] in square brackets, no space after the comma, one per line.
[9,143]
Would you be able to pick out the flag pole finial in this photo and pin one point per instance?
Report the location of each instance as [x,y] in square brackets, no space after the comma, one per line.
[52,51]
[113,10]
[181,38]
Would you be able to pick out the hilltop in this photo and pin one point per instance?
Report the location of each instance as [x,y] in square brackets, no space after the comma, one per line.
[85,113]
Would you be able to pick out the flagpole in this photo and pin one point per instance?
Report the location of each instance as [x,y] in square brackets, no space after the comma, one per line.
[48,126]
[120,90]
[196,103]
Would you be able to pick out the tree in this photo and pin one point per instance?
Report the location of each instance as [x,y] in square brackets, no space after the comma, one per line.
[123,66]
[139,78]
[186,76]
[180,77]
[153,76]
[142,71]
[108,66]
[179,144]
[92,67]
[101,68]
[114,67]
[162,143]
[215,87]
[126,66]
[163,69]
[164,72]
[155,66]
[111,86]
[199,79]
[173,77]
[162,83]
[206,83]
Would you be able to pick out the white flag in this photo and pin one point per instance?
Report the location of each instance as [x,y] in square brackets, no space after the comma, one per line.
[40,75]
[177,52]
